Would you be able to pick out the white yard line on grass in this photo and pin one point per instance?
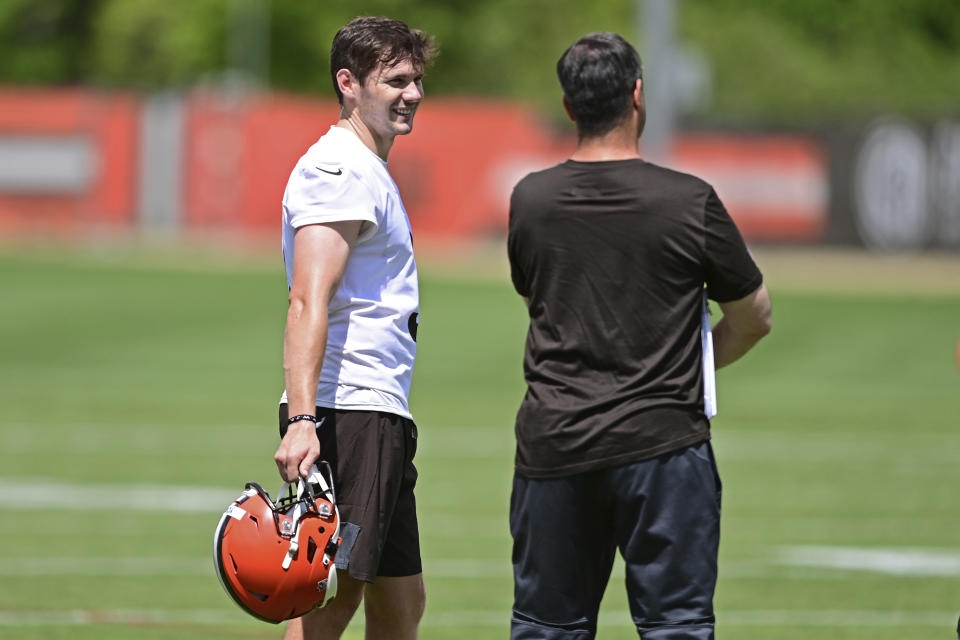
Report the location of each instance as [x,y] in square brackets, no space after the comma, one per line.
[901,562]
[101,566]
[118,616]
[181,566]
[786,563]
[105,566]
[31,494]
[483,618]
[837,618]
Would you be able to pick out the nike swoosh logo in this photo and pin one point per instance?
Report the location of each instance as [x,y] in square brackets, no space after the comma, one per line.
[333,173]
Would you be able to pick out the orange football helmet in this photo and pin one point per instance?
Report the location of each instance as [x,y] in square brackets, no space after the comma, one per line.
[276,559]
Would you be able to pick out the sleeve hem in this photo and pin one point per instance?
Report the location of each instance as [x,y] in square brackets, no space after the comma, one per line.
[741,293]
[368,228]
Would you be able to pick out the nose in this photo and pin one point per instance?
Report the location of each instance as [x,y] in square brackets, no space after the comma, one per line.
[413,92]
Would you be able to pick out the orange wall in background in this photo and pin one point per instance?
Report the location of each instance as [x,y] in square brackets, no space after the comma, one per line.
[455,172]
[458,167]
[103,124]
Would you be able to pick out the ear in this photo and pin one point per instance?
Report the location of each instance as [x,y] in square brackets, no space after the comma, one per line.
[566,106]
[639,106]
[347,83]
[638,94]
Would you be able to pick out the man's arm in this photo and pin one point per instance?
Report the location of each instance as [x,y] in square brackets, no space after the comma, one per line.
[320,257]
[744,322]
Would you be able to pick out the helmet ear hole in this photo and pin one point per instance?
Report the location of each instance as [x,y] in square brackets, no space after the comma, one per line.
[311,550]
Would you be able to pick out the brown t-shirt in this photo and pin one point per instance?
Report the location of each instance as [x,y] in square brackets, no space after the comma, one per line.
[613,257]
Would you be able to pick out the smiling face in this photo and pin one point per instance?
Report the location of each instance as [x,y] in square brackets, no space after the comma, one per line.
[387,100]
[377,66]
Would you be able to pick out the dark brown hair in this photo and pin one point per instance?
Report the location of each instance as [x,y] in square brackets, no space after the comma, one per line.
[598,73]
[366,42]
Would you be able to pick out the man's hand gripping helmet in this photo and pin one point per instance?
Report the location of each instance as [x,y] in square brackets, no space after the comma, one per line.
[276,559]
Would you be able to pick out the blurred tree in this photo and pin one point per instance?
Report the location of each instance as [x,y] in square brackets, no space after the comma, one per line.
[150,44]
[45,42]
[774,63]
[800,63]
[503,48]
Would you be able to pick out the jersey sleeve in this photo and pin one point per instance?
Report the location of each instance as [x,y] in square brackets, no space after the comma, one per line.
[731,273]
[317,195]
[514,246]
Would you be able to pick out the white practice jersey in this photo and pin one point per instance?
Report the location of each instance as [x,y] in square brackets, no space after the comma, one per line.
[373,316]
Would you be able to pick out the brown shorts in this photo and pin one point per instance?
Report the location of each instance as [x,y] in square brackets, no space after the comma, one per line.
[371,454]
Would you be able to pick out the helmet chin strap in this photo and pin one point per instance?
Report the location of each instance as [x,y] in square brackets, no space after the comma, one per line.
[304,486]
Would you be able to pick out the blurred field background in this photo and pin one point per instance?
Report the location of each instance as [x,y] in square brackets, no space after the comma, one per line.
[139,393]
[143,149]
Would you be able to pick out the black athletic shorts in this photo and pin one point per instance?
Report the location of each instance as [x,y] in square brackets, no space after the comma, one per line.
[663,514]
[371,454]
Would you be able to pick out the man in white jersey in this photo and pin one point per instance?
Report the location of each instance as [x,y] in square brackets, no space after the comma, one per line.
[351,330]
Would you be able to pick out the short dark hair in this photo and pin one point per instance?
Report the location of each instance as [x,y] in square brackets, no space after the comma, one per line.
[365,42]
[598,74]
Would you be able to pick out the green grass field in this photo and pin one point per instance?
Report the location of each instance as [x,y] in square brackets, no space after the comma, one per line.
[138,393]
